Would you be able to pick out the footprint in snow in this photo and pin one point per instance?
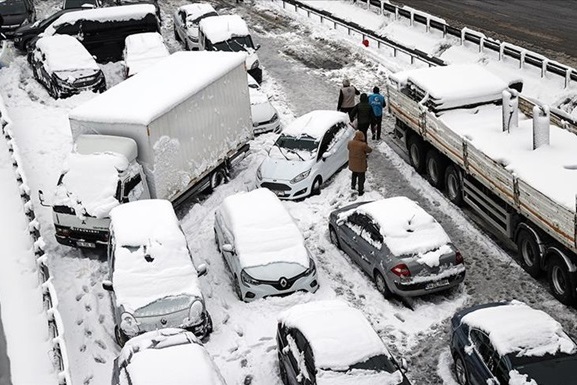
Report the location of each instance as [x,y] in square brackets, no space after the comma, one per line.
[101,319]
[238,330]
[88,380]
[87,307]
[79,321]
[99,359]
[82,348]
[243,363]
[100,344]
[79,297]
[248,380]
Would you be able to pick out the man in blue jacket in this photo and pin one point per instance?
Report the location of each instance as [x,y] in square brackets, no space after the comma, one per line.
[377,101]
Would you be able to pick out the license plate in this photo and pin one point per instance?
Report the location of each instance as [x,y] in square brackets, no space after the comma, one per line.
[90,245]
[436,284]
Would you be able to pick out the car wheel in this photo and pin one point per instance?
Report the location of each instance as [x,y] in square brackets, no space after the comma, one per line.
[560,281]
[435,168]
[120,337]
[176,36]
[217,178]
[461,372]
[237,288]
[53,92]
[530,254]
[316,186]
[186,45]
[453,186]
[381,285]
[416,149]
[334,237]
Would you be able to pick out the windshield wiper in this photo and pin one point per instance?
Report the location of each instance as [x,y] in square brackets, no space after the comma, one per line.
[296,153]
[280,150]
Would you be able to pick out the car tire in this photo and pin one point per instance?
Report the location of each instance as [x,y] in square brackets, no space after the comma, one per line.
[334,237]
[435,165]
[561,281]
[217,178]
[120,337]
[316,186]
[176,36]
[237,290]
[529,253]
[381,285]
[282,370]
[416,148]
[461,374]
[53,92]
[453,185]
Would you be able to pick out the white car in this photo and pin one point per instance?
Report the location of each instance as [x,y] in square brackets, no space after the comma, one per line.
[152,279]
[306,154]
[142,50]
[264,115]
[262,246]
[186,19]
[165,356]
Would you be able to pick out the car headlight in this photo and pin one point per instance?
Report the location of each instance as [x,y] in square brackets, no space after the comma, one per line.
[259,173]
[255,65]
[300,176]
[312,270]
[195,312]
[247,279]
[129,325]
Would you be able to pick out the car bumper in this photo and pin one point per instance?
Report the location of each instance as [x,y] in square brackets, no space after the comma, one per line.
[88,239]
[434,285]
[308,283]
[262,127]
[256,74]
[286,190]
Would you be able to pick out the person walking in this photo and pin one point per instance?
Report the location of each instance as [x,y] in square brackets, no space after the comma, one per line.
[364,114]
[347,97]
[358,151]
[377,101]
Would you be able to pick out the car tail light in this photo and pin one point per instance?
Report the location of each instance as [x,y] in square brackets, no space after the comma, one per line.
[401,270]
[459,257]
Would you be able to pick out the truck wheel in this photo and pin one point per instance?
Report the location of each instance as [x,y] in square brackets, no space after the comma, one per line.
[453,185]
[530,253]
[217,178]
[561,281]
[435,167]
[416,149]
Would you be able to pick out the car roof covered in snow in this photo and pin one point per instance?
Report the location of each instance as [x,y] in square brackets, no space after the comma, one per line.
[91,144]
[263,230]
[455,85]
[65,53]
[196,10]
[142,50]
[222,28]
[315,123]
[158,89]
[406,228]
[339,335]
[517,328]
[169,356]
[151,258]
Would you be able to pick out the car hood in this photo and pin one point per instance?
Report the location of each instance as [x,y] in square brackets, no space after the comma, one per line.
[275,271]
[282,169]
[262,111]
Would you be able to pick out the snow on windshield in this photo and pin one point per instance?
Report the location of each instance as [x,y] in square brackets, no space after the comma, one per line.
[222,28]
[65,53]
[293,148]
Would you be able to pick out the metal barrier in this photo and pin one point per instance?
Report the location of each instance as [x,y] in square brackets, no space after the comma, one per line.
[49,298]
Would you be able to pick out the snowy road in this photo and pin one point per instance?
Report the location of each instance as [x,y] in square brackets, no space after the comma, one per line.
[304,67]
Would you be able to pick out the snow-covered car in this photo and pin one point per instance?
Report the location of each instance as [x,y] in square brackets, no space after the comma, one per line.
[510,343]
[262,246]
[329,342]
[264,115]
[152,279]
[165,356]
[186,19]
[306,154]
[62,65]
[142,50]
[399,245]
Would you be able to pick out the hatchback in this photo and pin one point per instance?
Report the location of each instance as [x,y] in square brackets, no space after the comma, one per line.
[165,356]
[329,342]
[264,115]
[186,19]
[64,67]
[152,280]
[511,343]
[263,247]
[306,154]
[403,248]
[142,50]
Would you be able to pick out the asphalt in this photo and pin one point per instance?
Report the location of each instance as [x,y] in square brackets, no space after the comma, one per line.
[546,27]
[4,361]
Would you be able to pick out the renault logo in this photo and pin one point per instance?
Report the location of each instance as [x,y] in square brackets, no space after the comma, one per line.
[283,282]
[163,321]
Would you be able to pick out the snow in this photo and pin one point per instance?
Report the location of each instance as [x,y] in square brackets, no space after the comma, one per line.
[143,50]
[358,377]
[263,230]
[117,13]
[516,378]
[90,144]
[516,328]
[333,328]
[166,79]
[223,28]
[161,265]
[65,53]
[315,123]
[196,10]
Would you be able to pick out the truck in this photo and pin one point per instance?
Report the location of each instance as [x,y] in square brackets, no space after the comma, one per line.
[170,132]
[508,158]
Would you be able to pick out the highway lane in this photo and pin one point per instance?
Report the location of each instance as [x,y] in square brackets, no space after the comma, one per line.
[547,27]
[4,361]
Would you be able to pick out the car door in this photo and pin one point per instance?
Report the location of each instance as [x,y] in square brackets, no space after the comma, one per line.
[352,229]
[325,157]
[481,363]
[306,359]
[371,243]
[343,134]
[289,354]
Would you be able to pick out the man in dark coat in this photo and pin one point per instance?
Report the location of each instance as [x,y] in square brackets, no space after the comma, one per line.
[364,114]
[358,151]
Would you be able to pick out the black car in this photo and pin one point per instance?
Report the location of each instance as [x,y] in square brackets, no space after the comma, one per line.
[81,4]
[502,343]
[15,13]
[23,35]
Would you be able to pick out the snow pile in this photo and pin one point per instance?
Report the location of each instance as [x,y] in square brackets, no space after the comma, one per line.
[152,260]
[406,227]
[264,232]
[65,53]
[516,378]
[223,28]
[315,124]
[432,258]
[358,377]
[143,50]
[517,328]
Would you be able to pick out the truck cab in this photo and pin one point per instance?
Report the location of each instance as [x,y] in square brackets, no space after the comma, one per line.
[230,33]
[101,174]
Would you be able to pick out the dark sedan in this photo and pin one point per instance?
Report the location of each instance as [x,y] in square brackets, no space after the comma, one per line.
[14,13]
[23,35]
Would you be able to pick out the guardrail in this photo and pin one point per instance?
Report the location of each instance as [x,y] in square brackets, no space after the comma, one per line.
[49,298]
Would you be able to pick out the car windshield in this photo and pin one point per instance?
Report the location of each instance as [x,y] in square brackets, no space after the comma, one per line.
[79,3]
[548,370]
[166,305]
[303,143]
[12,7]
[380,363]
[235,44]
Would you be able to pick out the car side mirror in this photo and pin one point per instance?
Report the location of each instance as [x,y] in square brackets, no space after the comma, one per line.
[228,248]
[257,47]
[326,154]
[107,285]
[201,269]
[340,222]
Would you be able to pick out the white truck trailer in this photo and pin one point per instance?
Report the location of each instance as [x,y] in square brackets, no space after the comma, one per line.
[463,131]
[168,132]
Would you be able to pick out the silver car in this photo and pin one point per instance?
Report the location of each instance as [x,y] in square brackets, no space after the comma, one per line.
[404,249]
[186,19]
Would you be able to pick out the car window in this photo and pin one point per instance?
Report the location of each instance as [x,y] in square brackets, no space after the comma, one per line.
[306,353]
[326,141]
[483,345]
[501,371]
[373,235]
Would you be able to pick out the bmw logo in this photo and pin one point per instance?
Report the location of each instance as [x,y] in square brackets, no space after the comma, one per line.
[283,282]
[163,321]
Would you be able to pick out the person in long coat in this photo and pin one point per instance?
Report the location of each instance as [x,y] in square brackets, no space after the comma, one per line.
[364,114]
[358,151]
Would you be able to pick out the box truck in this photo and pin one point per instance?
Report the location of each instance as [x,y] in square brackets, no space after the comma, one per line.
[168,132]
